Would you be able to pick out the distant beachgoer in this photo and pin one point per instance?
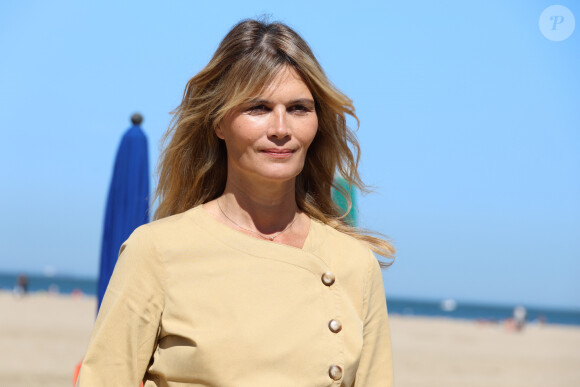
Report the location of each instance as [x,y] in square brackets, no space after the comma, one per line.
[250,276]
[21,287]
[520,317]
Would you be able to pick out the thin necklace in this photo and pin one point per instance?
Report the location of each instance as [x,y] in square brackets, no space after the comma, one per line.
[267,237]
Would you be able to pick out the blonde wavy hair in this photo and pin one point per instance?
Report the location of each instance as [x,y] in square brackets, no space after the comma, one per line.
[193,165]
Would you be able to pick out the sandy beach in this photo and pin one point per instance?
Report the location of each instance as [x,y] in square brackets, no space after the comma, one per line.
[43,336]
[457,353]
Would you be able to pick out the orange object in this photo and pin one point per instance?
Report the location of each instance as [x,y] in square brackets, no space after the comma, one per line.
[78,370]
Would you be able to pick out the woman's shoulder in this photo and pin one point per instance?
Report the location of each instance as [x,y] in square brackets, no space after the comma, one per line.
[340,244]
[170,228]
[178,220]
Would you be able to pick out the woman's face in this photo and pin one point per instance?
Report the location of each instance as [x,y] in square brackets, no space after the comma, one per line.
[267,139]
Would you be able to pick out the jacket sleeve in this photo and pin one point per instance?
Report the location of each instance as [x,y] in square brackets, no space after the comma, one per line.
[125,333]
[376,363]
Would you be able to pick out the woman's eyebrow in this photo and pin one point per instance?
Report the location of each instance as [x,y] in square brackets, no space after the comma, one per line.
[260,101]
[303,101]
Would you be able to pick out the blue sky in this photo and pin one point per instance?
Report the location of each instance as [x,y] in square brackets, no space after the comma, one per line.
[470,129]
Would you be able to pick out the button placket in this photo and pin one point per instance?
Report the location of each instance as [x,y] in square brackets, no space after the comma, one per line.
[334,325]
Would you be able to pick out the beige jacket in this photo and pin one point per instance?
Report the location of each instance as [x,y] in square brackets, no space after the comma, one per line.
[193,302]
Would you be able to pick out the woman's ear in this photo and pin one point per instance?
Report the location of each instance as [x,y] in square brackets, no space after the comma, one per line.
[219,132]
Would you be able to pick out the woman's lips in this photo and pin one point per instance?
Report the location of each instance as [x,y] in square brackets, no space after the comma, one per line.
[278,153]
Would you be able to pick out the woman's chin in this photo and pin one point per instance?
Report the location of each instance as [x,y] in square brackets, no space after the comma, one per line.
[278,175]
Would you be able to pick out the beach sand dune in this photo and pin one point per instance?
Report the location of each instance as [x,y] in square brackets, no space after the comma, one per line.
[44,336]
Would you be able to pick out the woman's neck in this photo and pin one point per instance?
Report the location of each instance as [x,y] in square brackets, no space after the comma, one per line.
[267,208]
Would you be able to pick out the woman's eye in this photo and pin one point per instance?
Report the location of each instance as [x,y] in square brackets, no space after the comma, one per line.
[257,109]
[299,109]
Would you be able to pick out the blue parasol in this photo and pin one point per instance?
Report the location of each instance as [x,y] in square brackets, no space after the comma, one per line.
[128,201]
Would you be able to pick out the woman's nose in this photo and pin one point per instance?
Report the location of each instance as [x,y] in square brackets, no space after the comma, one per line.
[279,124]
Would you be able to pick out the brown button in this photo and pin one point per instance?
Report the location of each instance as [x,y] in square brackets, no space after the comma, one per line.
[335,326]
[328,278]
[335,372]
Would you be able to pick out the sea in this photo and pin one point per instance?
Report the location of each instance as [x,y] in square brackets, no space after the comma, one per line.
[396,305]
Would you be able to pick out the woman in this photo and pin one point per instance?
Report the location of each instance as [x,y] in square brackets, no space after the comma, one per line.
[249,277]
